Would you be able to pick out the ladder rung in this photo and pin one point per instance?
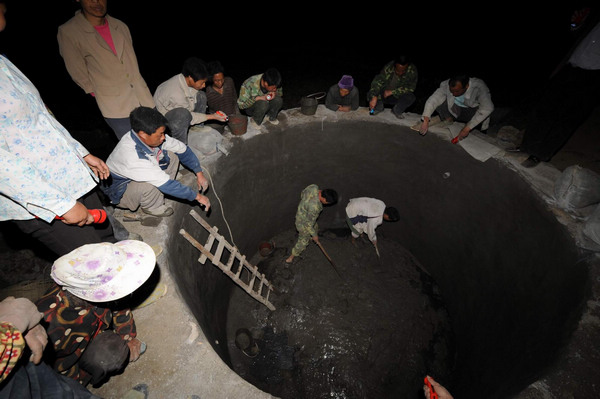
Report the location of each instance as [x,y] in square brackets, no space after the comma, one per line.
[217,256]
[208,246]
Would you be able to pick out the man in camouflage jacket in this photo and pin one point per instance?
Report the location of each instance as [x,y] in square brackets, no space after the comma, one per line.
[394,85]
[311,204]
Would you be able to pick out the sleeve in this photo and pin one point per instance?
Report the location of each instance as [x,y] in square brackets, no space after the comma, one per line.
[12,344]
[330,99]
[435,100]
[23,184]
[246,100]
[355,99]
[74,62]
[124,324]
[486,107]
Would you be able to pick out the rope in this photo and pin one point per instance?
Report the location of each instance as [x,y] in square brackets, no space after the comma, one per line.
[205,169]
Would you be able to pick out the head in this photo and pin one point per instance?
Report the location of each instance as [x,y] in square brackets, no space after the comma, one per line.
[105,355]
[216,74]
[401,64]
[149,124]
[195,73]
[93,10]
[458,85]
[328,196]
[271,79]
[391,214]
[346,84]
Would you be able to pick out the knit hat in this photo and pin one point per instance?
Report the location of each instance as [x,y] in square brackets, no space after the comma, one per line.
[105,271]
[346,82]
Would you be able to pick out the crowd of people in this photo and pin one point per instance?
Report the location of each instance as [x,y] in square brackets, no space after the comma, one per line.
[50,182]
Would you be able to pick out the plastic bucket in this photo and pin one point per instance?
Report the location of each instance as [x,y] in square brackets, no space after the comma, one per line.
[238,124]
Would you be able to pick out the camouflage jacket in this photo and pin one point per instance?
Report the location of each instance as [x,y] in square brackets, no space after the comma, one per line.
[308,210]
[407,83]
[250,90]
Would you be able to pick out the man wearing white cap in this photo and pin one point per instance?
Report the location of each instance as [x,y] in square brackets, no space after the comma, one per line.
[92,334]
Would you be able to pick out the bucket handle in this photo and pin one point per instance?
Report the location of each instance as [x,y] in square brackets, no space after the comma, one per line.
[318,95]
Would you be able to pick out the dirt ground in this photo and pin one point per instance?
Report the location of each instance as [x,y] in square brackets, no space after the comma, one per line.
[370,331]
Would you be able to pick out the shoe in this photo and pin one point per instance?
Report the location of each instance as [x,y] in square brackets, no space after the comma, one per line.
[159,291]
[530,162]
[274,121]
[135,236]
[160,212]
[399,116]
[139,391]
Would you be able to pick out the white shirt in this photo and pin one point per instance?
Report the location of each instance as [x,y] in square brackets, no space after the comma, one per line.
[371,209]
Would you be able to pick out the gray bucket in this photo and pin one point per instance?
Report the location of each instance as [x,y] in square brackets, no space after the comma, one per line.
[309,104]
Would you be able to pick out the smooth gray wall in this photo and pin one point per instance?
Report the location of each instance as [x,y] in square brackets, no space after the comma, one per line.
[507,269]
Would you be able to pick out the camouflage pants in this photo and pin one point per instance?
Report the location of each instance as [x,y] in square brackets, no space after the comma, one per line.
[304,237]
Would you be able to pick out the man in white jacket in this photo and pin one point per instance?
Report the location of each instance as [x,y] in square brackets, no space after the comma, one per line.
[181,99]
[364,214]
[461,99]
[144,163]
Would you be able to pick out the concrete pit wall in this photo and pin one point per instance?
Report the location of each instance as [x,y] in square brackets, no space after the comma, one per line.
[508,271]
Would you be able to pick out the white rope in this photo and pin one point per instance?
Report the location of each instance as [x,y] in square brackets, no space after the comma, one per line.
[205,169]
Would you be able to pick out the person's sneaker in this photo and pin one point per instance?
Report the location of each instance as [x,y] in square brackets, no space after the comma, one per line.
[160,212]
[399,116]
[140,391]
[273,121]
[135,236]
[252,124]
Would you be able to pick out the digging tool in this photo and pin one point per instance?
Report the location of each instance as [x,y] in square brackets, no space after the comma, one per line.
[328,258]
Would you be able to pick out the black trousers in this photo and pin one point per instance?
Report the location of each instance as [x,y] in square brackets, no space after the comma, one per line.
[61,238]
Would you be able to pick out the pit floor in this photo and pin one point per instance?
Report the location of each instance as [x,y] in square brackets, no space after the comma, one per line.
[180,363]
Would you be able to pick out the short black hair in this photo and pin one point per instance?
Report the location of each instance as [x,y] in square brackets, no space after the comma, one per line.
[393,214]
[459,78]
[330,195]
[215,67]
[272,77]
[147,120]
[402,59]
[195,68]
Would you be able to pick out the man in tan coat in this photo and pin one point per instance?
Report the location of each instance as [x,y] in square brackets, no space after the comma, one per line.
[98,52]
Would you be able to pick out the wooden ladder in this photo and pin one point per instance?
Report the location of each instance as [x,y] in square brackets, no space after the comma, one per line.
[258,286]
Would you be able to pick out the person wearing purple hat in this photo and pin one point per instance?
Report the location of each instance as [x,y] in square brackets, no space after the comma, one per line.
[343,96]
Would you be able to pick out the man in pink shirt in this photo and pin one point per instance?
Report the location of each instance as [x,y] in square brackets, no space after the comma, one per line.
[98,53]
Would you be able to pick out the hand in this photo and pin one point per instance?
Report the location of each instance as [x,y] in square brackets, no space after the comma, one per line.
[135,347]
[387,93]
[439,389]
[20,312]
[373,103]
[203,200]
[78,215]
[344,108]
[220,116]
[36,339]
[202,181]
[424,127]
[98,166]
[464,133]
[316,239]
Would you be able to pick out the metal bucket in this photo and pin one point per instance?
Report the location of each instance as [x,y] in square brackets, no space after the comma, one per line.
[238,124]
[309,104]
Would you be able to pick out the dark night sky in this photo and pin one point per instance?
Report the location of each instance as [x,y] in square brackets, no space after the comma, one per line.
[506,46]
